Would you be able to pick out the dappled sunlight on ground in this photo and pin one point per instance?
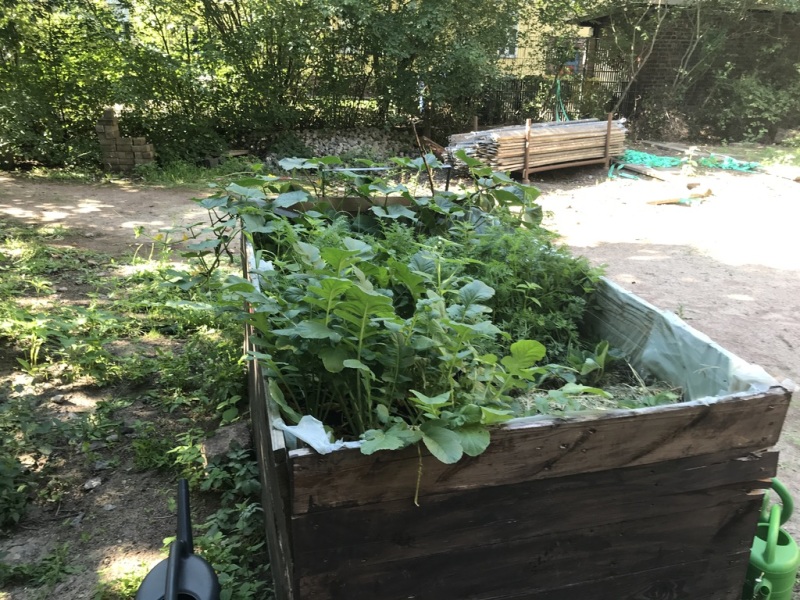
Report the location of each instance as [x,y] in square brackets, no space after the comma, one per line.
[99,210]
[119,564]
[749,219]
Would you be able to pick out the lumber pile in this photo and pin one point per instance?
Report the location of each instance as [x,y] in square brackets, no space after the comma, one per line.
[553,143]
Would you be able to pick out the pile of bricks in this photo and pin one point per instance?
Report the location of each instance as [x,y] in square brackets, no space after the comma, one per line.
[120,153]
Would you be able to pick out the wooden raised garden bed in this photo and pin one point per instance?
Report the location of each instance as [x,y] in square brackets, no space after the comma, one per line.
[656,502]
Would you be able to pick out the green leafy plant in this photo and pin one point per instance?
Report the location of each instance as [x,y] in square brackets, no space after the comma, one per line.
[377,322]
[136,339]
[13,491]
[591,365]
[121,588]
[46,572]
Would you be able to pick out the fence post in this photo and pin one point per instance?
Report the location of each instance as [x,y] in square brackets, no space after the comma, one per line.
[608,140]
[525,178]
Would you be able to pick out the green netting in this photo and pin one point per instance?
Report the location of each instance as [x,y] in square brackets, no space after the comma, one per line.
[634,157]
[560,110]
[728,163]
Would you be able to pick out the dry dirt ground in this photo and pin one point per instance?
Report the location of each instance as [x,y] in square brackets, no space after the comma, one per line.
[730,266]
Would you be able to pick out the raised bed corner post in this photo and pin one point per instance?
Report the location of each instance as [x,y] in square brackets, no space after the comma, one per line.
[607,154]
[525,171]
[271,455]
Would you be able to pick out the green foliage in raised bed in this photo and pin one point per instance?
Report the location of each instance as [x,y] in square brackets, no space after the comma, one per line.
[412,318]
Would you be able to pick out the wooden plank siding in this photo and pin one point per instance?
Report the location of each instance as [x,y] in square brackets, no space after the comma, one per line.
[532,537]
[654,501]
[524,451]
[529,508]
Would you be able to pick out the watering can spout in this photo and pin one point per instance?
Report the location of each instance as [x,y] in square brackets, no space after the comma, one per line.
[183,574]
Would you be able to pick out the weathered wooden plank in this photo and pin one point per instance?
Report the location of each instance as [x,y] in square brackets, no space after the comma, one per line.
[643,170]
[399,530]
[511,130]
[524,450]
[538,148]
[274,486]
[271,456]
[547,562]
[676,147]
[718,578]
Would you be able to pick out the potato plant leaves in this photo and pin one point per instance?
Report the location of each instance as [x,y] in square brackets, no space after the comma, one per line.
[392,326]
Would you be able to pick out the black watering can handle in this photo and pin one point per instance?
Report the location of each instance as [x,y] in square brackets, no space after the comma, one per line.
[183,575]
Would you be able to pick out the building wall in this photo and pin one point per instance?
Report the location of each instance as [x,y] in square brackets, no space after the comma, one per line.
[743,45]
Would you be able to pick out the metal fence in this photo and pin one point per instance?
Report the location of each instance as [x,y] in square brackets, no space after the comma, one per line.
[589,85]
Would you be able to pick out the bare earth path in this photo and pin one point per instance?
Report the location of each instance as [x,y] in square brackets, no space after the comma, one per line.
[106,214]
[729,266]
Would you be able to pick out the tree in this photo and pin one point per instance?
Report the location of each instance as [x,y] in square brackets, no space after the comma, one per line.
[56,69]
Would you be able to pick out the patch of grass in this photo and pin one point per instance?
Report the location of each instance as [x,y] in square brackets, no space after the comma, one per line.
[132,328]
[765,155]
[74,174]
[121,588]
[47,572]
[184,173]
[174,174]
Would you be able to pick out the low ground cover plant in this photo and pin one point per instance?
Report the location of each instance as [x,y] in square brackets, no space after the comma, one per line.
[162,370]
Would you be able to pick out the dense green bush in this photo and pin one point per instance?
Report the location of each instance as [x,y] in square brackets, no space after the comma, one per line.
[749,107]
[194,77]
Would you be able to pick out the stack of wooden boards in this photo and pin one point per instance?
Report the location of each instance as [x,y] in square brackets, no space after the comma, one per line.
[553,143]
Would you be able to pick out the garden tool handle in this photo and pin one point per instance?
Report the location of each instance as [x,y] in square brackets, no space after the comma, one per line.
[786,500]
[184,519]
[172,580]
[772,534]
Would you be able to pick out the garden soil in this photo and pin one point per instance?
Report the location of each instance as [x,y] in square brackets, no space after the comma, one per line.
[729,265]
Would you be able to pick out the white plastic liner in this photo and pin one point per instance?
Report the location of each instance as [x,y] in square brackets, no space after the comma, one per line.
[660,344]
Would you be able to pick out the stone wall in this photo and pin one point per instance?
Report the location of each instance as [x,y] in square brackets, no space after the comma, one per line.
[119,153]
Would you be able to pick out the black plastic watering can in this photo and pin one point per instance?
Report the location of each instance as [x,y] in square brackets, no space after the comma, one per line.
[184,575]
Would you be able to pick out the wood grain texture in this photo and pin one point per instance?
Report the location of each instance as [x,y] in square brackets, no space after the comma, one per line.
[548,562]
[274,484]
[398,530]
[719,578]
[525,451]
[542,144]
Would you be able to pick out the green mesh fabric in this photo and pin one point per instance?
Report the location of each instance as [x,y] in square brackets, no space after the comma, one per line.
[728,163]
[634,157]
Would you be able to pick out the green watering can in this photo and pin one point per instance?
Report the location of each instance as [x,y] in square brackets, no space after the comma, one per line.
[774,556]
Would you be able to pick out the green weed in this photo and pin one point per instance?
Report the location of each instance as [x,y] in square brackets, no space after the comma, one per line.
[185,173]
[134,329]
[122,588]
[47,572]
